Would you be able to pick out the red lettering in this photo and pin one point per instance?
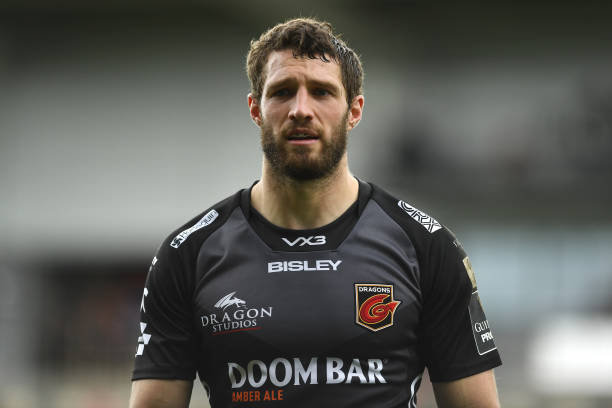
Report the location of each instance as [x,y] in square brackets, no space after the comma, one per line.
[273,395]
[246,396]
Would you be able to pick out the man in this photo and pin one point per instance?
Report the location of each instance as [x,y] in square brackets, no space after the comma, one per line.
[311,288]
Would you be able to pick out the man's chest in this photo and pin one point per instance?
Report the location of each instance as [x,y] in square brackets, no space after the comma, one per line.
[277,321]
[314,302]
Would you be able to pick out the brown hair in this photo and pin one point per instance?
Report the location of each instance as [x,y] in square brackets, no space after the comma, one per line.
[310,38]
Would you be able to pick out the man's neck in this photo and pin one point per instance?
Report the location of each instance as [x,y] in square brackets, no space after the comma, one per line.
[308,204]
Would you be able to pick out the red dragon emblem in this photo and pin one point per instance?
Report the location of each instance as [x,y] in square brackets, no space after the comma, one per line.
[374,305]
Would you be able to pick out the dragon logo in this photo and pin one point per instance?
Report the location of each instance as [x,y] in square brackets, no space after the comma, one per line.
[374,311]
[374,305]
[230,300]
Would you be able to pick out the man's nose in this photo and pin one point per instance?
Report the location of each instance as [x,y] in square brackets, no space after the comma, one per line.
[301,110]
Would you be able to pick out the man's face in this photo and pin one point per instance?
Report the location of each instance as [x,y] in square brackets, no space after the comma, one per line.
[303,115]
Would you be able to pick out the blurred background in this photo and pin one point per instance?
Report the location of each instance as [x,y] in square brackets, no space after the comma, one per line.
[120,120]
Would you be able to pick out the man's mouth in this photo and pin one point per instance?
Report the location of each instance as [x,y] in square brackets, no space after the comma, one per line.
[302,137]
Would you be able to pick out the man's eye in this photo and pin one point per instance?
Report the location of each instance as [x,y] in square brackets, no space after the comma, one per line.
[321,92]
[281,92]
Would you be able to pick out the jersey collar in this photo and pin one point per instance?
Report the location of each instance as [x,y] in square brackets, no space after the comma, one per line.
[327,237]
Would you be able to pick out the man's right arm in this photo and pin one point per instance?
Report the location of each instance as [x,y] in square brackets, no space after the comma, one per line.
[164,366]
[150,393]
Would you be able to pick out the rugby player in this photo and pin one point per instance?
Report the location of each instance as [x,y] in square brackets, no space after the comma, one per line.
[311,287]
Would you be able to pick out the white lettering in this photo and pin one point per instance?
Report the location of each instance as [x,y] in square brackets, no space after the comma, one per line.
[300,372]
[275,267]
[295,266]
[313,240]
[232,376]
[376,289]
[375,367]
[206,220]
[334,370]
[291,243]
[266,313]
[481,326]
[319,240]
[288,372]
[311,372]
[263,370]
[355,371]
[210,319]
[236,320]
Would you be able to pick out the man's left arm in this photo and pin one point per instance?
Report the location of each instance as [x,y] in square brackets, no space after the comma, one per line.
[476,391]
[456,338]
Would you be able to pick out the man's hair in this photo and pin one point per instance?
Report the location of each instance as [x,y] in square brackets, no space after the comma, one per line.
[307,38]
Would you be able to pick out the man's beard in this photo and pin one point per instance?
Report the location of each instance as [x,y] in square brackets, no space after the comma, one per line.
[296,161]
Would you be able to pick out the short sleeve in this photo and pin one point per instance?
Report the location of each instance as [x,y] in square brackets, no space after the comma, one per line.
[166,341]
[455,339]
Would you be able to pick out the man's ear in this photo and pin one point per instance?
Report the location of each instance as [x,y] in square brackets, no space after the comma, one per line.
[355,111]
[254,109]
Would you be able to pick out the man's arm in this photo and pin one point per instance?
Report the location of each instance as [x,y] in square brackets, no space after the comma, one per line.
[476,391]
[160,393]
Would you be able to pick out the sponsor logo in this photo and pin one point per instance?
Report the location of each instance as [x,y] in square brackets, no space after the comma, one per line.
[301,241]
[374,305]
[241,319]
[144,338]
[481,330]
[204,221]
[425,220]
[256,396]
[228,300]
[281,372]
[294,266]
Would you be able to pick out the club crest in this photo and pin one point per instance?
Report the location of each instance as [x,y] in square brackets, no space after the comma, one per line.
[374,305]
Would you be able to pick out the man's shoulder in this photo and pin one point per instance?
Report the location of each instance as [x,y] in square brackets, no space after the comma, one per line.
[418,224]
[192,233]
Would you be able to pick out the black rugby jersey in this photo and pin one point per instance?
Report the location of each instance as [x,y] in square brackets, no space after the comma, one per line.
[345,315]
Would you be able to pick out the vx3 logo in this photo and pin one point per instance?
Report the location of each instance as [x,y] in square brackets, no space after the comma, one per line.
[301,241]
